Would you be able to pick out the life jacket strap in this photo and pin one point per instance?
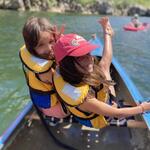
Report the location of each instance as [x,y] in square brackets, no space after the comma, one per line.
[42,92]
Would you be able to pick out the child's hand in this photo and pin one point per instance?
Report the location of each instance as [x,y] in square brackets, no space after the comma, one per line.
[145,106]
[58,33]
[104,21]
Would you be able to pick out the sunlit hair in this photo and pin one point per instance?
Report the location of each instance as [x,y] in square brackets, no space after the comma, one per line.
[31,32]
[75,73]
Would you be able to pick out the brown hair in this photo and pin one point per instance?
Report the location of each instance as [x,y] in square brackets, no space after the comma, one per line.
[31,32]
[75,72]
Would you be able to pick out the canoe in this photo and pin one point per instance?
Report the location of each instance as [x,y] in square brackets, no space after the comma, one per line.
[129,27]
[32,130]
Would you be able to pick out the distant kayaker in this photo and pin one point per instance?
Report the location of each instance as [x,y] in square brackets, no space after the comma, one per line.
[85,85]
[135,21]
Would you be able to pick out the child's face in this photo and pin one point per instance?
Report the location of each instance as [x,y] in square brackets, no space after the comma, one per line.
[44,46]
[86,62]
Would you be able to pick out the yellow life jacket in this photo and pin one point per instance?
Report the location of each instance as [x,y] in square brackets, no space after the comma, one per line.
[34,63]
[31,66]
[74,96]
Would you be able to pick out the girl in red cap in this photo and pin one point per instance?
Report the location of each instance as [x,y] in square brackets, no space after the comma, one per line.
[85,86]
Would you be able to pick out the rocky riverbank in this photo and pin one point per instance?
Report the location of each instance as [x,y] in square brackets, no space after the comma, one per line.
[61,6]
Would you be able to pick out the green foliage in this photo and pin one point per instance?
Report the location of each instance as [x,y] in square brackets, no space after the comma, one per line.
[145,3]
[84,2]
[52,2]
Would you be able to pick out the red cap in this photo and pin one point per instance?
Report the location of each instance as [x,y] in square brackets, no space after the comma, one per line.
[72,45]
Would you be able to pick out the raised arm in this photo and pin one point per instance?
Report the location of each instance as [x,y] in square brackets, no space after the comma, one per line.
[107,51]
[106,60]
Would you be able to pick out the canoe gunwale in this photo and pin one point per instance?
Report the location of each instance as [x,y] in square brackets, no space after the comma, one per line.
[9,131]
[137,97]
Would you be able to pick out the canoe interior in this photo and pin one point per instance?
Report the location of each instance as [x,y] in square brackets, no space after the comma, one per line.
[122,92]
[74,136]
[32,134]
[36,137]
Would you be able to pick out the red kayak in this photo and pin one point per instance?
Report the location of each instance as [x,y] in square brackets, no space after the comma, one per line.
[130,27]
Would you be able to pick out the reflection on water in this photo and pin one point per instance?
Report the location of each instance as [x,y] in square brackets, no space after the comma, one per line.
[131,49]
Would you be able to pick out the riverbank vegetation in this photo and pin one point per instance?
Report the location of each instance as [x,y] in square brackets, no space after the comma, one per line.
[102,7]
[145,3]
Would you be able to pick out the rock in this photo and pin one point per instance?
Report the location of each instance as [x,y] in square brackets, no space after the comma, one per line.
[75,7]
[148,12]
[70,5]
[33,5]
[21,5]
[13,4]
[98,7]
[121,8]
[45,5]
[105,8]
[1,3]
[102,7]
[137,9]
[27,4]
[64,7]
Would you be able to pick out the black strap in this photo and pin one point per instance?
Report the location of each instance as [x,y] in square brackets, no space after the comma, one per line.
[64,107]
[25,74]
[35,90]
[84,112]
[52,91]
[112,97]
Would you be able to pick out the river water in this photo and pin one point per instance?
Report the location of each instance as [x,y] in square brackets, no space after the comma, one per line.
[132,49]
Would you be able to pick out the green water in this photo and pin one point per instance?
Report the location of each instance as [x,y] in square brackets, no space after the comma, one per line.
[131,49]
